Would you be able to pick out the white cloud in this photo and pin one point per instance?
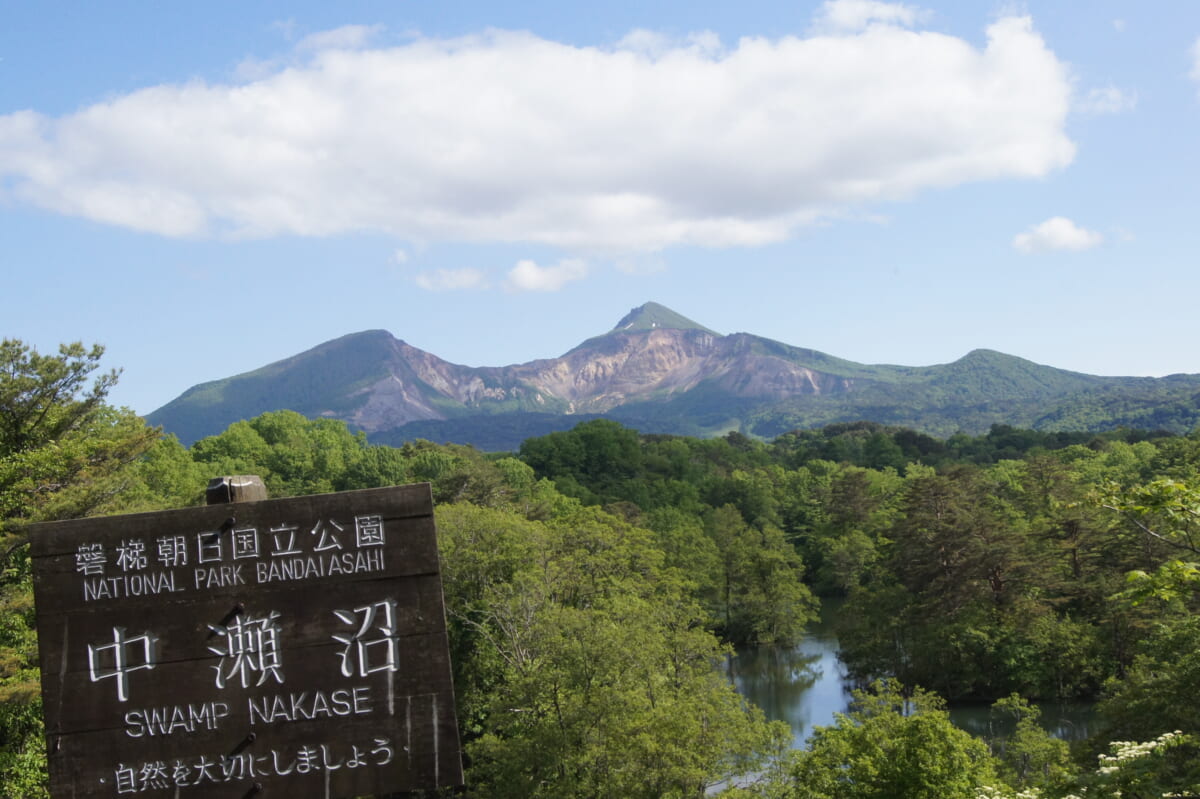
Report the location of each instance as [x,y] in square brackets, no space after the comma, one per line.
[854,15]
[507,137]
[452,279]
[347,37]
[528,276]
[1109,100]
[1196,60]
[400,256]
[1056,233]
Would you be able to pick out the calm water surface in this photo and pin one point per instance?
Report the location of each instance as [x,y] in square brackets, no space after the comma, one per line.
[802,685]
[806,684]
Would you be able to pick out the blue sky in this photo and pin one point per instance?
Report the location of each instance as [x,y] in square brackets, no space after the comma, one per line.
[207,188]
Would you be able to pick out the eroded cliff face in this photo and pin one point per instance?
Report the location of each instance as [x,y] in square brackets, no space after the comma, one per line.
[623,367]
[602,374]
[630,367]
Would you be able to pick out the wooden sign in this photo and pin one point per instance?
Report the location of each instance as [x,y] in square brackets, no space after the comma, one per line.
[292,647]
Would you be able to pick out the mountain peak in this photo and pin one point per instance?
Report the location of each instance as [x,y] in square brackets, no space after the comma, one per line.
[651,315]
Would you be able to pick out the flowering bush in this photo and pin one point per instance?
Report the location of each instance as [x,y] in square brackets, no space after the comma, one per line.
[1131,770]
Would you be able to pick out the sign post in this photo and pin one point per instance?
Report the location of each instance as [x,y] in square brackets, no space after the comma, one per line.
[292,647]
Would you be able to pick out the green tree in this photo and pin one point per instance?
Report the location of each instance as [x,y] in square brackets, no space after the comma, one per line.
[762,597]
[1158,692]
[64,453]
[860,507]
[598,461]
[888,747]
[167,477]
[292,454]
[1028,755]
[1164,517]
[691,553]
[582,667]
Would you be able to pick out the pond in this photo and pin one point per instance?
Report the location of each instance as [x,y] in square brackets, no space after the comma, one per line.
[806,684]
[803,685]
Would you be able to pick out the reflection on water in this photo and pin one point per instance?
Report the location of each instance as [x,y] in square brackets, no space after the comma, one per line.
[805,685]
[1070,721]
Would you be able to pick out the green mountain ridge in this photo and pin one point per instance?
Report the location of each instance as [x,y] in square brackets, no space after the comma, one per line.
[651,316]
[646,317]
[662,372]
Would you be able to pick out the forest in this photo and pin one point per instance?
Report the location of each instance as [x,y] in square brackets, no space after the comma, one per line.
[597,579]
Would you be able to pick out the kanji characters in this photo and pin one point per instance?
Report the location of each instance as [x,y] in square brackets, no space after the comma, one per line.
[131,555]
[245,543]
[208,547]
[368,531]
[90,559]
[121,658]
[172,550]
[368,655]
[328,530]
[153,775]
[126,779]
[252,646]
[284,539]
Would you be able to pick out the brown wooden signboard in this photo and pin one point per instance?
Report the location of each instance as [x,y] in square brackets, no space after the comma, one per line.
[291,647]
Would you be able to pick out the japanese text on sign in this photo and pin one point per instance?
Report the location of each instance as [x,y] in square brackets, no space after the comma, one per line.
[238,557]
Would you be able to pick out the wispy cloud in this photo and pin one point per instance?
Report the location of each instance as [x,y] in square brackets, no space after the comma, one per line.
[528,276]
[452,279]
[1056,233]
[854,15]
[508,137]
[1109,100]
[347,37]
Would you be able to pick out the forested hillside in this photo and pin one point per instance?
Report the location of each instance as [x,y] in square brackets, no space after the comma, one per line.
[595,580]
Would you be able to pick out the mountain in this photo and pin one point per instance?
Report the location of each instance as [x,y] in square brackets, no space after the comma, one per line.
[652,315]
[659,371]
